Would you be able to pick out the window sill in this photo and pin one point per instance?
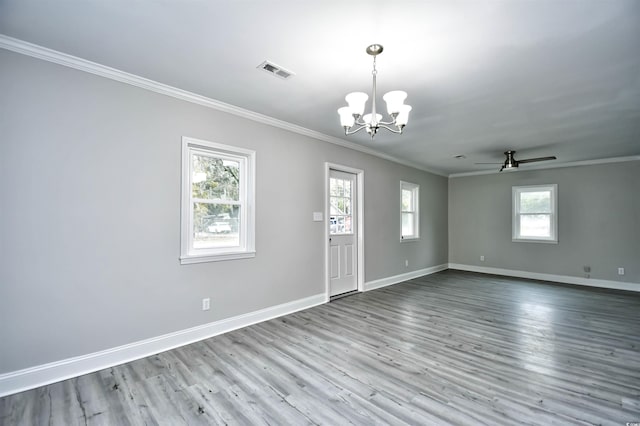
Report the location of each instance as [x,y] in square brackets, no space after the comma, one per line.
[409,239]
[188,260]
[524,240]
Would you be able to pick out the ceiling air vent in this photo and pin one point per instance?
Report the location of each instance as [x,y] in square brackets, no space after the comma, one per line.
[276,70]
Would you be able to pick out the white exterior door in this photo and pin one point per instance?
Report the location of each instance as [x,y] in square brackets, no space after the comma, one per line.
[343,255]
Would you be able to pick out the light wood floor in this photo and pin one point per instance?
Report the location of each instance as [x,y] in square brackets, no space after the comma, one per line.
[449,348]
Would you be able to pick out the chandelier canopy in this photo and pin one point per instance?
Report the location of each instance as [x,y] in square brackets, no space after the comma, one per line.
[352,115]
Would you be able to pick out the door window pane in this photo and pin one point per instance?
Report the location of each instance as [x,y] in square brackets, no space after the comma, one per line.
[340,219]
[336,187]
[347,188]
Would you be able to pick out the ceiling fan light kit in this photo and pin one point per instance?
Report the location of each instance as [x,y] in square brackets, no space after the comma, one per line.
[511,163]
[353,114]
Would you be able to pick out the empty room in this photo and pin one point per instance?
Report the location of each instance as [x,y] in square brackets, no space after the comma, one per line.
[319,213]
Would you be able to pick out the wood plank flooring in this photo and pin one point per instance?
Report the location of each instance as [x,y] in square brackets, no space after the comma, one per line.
[449,348]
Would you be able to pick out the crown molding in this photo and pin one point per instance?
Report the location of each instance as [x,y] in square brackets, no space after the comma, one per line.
[554,166]
[60,58]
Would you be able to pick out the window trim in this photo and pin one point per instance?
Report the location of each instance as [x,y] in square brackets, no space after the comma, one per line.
[415,190]
[515,213]
[246,158]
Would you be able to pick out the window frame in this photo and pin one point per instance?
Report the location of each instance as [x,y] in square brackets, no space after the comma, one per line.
[415,194]
[246,200]
[515,213]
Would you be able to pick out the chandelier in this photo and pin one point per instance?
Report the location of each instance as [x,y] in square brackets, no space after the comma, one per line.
[352,115]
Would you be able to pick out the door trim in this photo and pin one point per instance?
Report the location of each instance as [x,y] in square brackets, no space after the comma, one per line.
[359,225]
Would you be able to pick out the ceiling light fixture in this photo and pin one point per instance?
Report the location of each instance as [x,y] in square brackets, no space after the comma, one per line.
[352,115]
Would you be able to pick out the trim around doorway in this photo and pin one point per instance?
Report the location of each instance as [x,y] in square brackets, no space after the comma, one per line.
[360,222]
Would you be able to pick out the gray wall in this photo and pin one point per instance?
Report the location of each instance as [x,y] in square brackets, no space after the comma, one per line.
[598,222]
[90,215]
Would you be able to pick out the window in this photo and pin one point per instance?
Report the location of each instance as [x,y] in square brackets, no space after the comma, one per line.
[535,213]
[340,204]
[218,213]
[409,211]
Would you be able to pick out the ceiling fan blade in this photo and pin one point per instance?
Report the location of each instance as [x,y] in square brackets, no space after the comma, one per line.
[488,163]
[533,160]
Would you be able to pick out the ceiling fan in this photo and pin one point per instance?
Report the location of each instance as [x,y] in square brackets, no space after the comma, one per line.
[512,163]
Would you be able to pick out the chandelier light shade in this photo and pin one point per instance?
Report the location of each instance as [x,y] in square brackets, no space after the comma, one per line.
[353,118]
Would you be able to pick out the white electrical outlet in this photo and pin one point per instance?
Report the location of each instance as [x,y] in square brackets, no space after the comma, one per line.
[406,263]
[481,258]
[620,271]
[206,304]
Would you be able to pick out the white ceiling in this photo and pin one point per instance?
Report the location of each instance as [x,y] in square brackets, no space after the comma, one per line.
[543,77]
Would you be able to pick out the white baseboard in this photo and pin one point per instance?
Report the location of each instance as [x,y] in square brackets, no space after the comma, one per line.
[29,378]
[383,282]
[566,279]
